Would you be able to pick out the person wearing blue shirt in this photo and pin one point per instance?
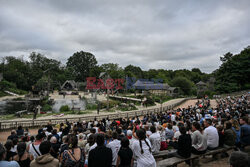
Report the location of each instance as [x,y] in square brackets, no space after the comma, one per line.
[244,132]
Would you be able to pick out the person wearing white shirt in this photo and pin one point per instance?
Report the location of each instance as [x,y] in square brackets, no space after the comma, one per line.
[155,140]
[115,147]
[142,150]
[212,135]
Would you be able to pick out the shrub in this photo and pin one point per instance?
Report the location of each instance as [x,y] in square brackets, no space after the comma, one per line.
[46,107]
[91,107]
[64,108]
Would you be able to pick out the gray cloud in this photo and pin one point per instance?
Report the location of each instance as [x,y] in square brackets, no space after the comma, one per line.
[150,34]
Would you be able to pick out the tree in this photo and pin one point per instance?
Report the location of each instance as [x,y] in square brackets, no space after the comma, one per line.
[234,72]
[113,70]
[183,83]
[133,71]
[81,64]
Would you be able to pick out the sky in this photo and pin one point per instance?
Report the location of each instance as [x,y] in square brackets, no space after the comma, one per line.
[159,34]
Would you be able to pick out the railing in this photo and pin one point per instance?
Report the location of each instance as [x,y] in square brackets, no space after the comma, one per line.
[6,125]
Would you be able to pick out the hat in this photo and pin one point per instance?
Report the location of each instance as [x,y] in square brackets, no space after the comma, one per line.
[129,133]
[207,116]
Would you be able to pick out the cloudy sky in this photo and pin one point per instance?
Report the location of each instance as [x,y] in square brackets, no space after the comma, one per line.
[165,34]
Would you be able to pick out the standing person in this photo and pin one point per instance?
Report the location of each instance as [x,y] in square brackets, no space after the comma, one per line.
[45,159]
[23,157]
[4,163]
[155,140]
[211,134]
[75,155]
[9,154]
[33,148]
[199,141]
[100,155]
[114,146]
[125,154]
[142,150]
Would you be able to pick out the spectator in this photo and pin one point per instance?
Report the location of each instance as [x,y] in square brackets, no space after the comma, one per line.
[101,155]
[236,129]
[54,151]
[81,141]
[142,150]
[4,163]
[229,135]
[114,146]
[125,154]
[23,157]
[211,134]
[239,159]
[9,154]
[12,135]
[244,132]
[33,148]
[199,141]
[184,145]
[20,131]
[155,140]
[169,132]
[45,159]
[75,155]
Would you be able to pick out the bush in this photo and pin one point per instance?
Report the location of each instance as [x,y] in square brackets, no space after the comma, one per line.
[46,107]
[64,108]
[91,107]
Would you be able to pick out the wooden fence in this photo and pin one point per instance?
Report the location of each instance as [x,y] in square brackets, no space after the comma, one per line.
[6,125]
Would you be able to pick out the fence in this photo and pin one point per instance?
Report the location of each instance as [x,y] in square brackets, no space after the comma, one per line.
[6,125]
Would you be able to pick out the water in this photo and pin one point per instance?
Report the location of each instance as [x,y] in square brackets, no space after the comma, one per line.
[76,103]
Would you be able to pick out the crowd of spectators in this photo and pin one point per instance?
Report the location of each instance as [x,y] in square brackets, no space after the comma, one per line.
[132,142]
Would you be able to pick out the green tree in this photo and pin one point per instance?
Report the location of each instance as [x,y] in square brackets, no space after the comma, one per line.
[184,84]
[81,64]
[234,72]
[133,71]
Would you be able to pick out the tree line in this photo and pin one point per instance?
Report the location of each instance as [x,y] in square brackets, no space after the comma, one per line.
[39,71]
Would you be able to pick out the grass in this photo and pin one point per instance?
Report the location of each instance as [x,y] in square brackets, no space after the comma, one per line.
[2,94]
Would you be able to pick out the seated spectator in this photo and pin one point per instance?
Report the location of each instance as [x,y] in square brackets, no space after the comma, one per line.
[125,154]
[74,155]
[211,134]
[199,141]
[169,132]
[244,132]
[229,135]
[100,155]
[9,154]
[239,159]
[155,140]
[23,157]
[184,145]
[142,150]
[4,163]
[221,135]
[45,159]
[236,129]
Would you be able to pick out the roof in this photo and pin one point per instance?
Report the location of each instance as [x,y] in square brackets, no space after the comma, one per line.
[149,85]
[71,82]
[200,83]
[172,88]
